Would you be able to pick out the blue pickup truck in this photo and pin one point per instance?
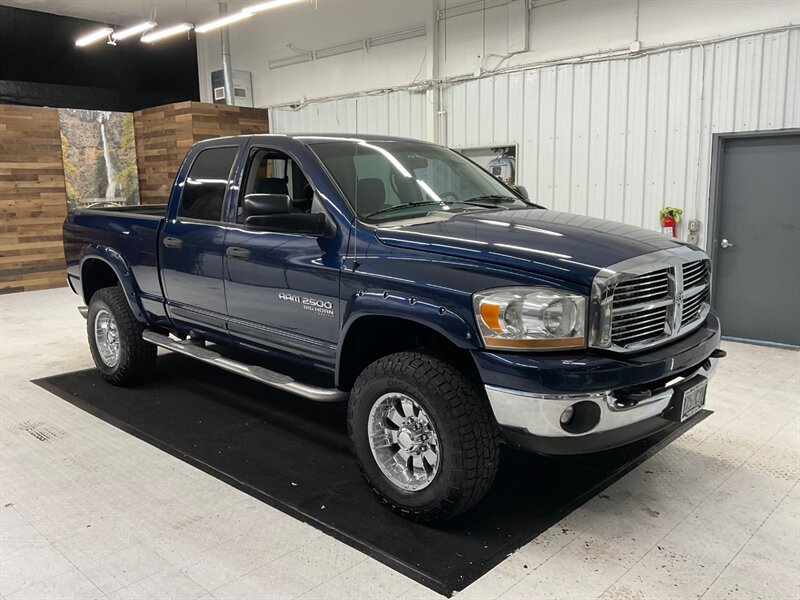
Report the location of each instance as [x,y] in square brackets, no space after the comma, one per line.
[451,312]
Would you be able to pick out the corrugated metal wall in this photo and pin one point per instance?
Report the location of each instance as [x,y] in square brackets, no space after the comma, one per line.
[617,139]
[400,113]
[620,139]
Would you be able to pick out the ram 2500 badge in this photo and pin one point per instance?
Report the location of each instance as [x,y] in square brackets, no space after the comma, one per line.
[447,309]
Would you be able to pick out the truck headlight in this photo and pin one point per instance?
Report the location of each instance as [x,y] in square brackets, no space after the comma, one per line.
[530,318]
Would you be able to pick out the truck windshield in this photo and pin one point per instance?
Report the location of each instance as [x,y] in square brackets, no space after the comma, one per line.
[397,180]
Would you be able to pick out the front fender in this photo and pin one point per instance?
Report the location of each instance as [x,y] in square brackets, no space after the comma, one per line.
[398,305]
[119,265]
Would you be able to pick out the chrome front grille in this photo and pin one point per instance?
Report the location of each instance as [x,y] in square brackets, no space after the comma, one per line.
[639,308]
[693,307]
[645,288]
[650,300]
[695,273]
[637,327]
[696,284]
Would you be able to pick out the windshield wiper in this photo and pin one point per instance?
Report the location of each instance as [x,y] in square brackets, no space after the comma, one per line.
[406,205]
[495,198]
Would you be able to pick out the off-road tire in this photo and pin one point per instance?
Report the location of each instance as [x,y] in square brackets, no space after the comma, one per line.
[137,359]
[469,440]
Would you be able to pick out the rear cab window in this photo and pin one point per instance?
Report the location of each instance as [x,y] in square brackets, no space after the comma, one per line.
[203,194]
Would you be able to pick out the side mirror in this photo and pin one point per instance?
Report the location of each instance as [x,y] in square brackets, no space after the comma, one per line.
[316,224]
[266,204]
[521,190]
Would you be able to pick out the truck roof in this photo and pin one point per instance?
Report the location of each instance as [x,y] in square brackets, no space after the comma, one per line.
[320,137]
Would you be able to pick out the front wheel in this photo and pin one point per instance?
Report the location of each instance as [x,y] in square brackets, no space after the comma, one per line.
[115,339]
[424,435]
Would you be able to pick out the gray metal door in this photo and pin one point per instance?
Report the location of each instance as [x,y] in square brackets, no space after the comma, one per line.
[757,245]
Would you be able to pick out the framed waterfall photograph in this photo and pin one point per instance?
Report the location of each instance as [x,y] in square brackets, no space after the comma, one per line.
[99,153]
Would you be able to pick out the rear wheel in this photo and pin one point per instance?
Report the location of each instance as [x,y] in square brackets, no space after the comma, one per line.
[424,435]
[115,339]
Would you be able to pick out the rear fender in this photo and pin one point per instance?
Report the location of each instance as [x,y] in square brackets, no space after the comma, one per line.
[117,262]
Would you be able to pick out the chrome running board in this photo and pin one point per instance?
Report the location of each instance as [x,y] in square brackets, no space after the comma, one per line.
[260,374]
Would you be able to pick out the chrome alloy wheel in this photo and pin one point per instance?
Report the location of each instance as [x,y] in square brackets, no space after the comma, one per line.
[403,441]
[106,337]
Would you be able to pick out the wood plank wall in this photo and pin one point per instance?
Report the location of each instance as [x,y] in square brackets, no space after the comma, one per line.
[165,133]
[33,199]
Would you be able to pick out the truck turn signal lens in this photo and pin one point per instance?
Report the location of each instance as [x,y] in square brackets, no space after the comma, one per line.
[490,313]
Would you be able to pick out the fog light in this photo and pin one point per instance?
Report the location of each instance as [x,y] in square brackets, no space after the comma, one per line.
[581,417]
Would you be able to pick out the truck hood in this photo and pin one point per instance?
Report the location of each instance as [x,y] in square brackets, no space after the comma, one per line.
[556,244]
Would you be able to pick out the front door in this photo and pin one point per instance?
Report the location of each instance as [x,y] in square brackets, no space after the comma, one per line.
[757,271]
[282,289]
[192,244]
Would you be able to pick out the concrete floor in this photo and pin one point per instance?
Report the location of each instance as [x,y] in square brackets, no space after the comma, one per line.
[88,511]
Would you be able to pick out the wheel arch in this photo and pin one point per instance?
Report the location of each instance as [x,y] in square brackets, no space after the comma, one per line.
[105,267]
[370,337]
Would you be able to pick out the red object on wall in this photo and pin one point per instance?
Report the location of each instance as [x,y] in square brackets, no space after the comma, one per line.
[668,226]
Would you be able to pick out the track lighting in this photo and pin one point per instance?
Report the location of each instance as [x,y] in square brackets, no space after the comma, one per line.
[95,36]
[257,8]
[160,34]
[133,30]
[216,24]
[154,36]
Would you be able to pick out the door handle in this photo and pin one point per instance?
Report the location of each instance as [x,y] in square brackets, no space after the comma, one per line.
[236,252]
[172,242]
[726,244]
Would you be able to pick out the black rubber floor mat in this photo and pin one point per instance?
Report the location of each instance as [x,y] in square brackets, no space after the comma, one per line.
[233,429]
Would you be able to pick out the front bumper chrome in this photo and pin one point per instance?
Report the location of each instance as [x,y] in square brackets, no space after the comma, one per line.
[539,414]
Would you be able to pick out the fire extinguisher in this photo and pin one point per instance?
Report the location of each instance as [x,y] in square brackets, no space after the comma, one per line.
[668,226]
[670,216]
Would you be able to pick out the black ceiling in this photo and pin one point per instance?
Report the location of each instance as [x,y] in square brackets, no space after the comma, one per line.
[40,65]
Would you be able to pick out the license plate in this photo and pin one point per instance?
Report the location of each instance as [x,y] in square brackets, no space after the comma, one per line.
[694,399]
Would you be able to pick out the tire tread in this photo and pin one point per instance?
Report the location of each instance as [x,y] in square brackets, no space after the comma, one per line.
[468,417]
[137,358]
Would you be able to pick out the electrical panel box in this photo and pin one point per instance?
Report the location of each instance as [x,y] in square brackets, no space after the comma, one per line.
[694,232]
[500,161]
[242,88]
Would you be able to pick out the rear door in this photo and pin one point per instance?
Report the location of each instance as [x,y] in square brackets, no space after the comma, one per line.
[282,289]
[192,244]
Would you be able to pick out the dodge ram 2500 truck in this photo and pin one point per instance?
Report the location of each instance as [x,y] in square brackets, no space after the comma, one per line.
[450,311]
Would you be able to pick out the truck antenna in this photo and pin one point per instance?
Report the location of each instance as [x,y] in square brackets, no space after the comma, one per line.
[355,221]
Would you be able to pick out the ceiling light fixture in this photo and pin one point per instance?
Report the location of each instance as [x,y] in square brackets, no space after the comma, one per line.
[211,25]
[95,36]
[133,30]
[160,34]
[257,8]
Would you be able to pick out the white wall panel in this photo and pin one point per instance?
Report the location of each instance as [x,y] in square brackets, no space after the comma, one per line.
[617,139]
[400,113]
[616,168]
[622,138]
[485,39]
[792,89]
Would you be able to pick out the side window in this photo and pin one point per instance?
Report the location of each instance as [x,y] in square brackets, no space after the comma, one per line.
[273,172]
[441,178]
[204,189]
[373,172]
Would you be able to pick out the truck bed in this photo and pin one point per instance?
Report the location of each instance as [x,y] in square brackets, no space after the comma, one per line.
[131,232]
[150,210]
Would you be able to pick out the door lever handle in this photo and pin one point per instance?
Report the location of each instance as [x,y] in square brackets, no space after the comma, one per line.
[726,244]
[236,252]
[172,242]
